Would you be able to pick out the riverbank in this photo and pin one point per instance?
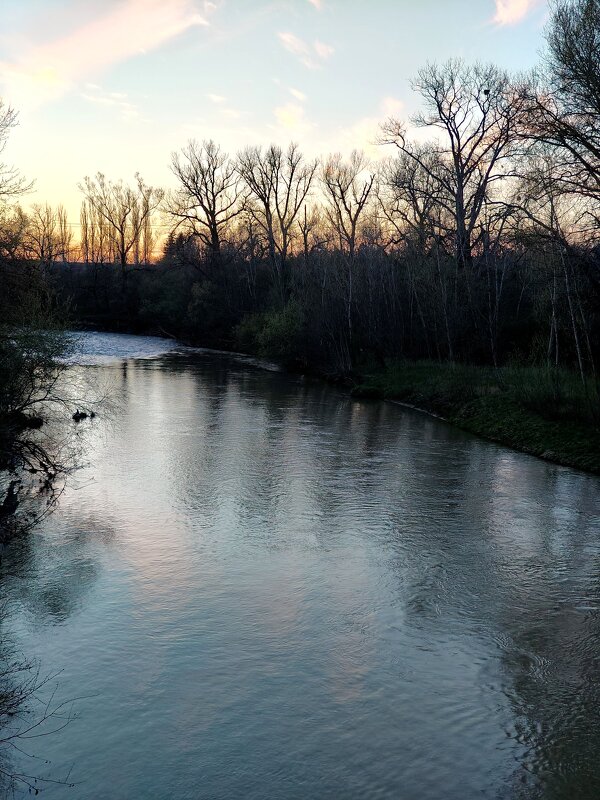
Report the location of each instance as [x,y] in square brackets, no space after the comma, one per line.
[547,413]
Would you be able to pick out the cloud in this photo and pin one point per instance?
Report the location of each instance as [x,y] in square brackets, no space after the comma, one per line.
[297,94]
[294,45]
[119,32]
[324,51]
[95,94]
[226,111]
[317,4]
[311,55]
[364,133]
[510,12]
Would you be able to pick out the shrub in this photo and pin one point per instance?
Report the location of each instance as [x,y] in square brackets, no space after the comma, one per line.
[274,334]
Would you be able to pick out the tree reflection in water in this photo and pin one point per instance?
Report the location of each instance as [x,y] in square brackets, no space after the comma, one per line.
[322,591]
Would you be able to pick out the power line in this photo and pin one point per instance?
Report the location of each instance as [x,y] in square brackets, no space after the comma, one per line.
[79,225]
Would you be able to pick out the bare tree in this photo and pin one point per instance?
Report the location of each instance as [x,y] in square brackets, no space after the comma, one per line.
[312,232]
[12,183]
[96,240]
[412,201]
[65,234]
[14,224]
[208,198]
[550,217]
[563,102]
[477,111]
[347,186]
[24,716]
[418,213]
[278,183]
[49,237]
[126,211]
[42,232]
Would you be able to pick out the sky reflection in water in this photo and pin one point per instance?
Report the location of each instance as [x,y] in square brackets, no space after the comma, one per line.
[265,589]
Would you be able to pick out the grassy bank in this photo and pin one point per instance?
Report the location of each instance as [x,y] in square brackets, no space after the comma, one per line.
[548,413]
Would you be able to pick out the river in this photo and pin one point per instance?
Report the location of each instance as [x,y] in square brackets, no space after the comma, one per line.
[261,588]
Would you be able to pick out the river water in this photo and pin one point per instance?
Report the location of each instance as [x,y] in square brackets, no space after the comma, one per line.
[260,588]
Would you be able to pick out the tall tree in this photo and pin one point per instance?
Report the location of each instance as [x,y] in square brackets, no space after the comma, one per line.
[49,237]
[475,112]
[563,103]
[278,183]
[208,197]
[347,185]
[127,211]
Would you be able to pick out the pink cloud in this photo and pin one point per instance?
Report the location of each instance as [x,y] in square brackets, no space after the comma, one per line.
[311,55]
[510,12]
[124,30]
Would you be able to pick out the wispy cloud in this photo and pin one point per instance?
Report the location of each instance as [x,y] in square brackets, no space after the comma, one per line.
[318,4]
[511,12]
[311,55]
[297,94]
[118,100]
[293,44]
[119,32]
[222,105]
[324,51]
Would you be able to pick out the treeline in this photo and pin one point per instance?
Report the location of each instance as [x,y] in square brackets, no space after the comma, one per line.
[476,240]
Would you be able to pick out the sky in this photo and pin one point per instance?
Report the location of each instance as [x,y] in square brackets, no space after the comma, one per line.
[117,85]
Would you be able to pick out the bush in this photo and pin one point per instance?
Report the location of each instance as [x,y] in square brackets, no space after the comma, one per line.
[274,334]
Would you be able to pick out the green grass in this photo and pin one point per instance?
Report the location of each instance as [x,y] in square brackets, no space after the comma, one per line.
[547,413]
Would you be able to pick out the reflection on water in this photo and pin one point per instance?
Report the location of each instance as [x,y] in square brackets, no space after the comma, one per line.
[264,589]
[94,348]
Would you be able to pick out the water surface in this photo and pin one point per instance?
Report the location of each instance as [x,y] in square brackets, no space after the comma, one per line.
[264,589]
